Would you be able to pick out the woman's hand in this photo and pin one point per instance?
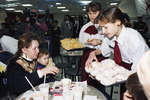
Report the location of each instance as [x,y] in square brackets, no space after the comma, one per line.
[50,70]
[94,42]
[127,96]
[92,56]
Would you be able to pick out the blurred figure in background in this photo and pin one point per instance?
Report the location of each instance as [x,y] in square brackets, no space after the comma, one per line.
[141,26]
[66,27]
[55,40]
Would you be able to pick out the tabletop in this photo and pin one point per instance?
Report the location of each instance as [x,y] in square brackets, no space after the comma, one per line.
[91,91]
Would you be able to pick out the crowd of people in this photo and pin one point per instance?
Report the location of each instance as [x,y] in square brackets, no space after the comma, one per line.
[107,33]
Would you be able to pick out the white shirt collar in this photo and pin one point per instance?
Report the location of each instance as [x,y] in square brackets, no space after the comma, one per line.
[27,58]
[121,35]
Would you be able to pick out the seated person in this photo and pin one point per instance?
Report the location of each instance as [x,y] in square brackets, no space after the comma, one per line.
[134,89]
[5,56]
[44,60]
[9,44]
[23,65]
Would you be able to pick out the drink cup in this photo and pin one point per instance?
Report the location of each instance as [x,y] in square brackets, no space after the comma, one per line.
[66,83]
[44,89]
[77,93]
[37,96]
[67,95]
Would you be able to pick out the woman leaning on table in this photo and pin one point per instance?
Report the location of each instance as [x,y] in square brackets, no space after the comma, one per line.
[23,64]
[90,36]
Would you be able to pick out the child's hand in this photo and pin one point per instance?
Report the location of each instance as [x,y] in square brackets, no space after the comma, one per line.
[54,70]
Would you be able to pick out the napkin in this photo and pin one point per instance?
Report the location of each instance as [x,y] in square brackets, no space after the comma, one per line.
[90,97]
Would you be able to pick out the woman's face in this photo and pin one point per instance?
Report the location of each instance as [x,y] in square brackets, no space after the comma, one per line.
[33,50]
[92,15]
[109,29]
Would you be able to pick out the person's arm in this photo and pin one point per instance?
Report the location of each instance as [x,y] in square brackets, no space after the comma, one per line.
[92,57]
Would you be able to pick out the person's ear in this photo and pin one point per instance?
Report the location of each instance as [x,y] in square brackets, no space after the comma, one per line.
[24,50]
[117,22]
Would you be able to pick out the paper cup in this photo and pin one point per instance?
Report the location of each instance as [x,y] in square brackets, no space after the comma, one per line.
[77,93]
[67,95]
[44,89]
[66,83]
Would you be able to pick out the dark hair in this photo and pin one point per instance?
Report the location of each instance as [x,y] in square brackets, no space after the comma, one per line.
[43,51]
[25,41]
[111,15]
[94,6]
[135,88]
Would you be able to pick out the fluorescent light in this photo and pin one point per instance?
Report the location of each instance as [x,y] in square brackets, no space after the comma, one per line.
[19,11]
[26,5]
[65,10]
[62,7]
[10,9]
[11,0]
[113,3]
[12,5]
[58,3]
[84,9]
[85,2]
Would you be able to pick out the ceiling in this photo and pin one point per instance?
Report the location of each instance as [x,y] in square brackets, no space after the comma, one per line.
[74,6]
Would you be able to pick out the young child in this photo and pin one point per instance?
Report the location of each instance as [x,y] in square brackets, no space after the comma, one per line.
[44,60]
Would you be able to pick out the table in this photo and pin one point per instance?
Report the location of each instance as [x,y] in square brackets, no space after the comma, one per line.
[90,91]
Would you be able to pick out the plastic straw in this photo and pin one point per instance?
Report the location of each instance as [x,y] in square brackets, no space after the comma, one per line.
[30,84]
[44,79]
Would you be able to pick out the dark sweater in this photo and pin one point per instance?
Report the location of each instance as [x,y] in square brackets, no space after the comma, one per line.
[16,78]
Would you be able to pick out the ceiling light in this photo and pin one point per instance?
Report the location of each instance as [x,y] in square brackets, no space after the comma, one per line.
[19,11]
[65,10]
[51,6]
[113,3]
[85,2]
[11,0]
[58,3]
[10,9]
[62,7]
[12,5]
[84,9]
[26,5]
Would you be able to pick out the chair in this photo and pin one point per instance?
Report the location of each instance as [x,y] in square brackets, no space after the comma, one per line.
[73,70]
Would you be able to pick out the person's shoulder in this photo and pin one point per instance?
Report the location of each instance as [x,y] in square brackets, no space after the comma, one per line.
[86,25]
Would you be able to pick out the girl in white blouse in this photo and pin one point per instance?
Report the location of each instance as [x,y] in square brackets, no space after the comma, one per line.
[90,35]
[131,44]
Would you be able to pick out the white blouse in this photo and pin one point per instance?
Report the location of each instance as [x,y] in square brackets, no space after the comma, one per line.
[83,36]
[132,46]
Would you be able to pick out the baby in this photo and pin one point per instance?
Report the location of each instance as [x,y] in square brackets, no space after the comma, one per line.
[44,60]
